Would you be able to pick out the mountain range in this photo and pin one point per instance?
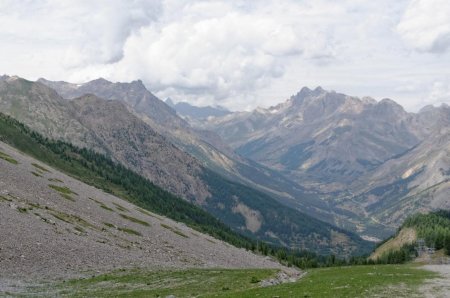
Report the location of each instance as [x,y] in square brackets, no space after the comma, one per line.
[112,126]
[372,159]
[185,109]
[310,172]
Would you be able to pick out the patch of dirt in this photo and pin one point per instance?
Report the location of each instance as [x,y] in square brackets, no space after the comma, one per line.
[253,218]
[437,287]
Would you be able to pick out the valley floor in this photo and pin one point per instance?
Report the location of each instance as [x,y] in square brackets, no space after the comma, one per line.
[353,281]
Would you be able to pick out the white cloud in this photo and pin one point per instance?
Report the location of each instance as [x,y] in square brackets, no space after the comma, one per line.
[83,32]
[439,93]
[236,53]
[215,51]
[425,25]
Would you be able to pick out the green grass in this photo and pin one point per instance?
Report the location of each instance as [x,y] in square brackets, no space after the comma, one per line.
[148,213]
[351,281]
[72,219]
[121,208]
[357,281]
[36,174]
[135,220]
[106,207]
[8,158]
[62,189]
[64,192]
[109,225]
[180,283]
[37,166]
[174,230]
[102,205]
[67,197]
[55,180]
[3,198]
[22,209]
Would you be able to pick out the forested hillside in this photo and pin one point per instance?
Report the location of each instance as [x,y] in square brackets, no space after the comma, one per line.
[432,229]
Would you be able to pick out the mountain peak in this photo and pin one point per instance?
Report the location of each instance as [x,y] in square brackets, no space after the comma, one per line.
[319,89]
[169,102]
[138,83]
[100,81]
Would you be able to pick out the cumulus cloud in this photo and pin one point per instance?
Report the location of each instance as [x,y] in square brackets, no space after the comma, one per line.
[425,25]
[439,93]
[214,51]
[84,31]
[235,53]
[221,54]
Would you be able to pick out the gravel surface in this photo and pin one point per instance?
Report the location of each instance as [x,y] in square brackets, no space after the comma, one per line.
[44,236]
[438,287]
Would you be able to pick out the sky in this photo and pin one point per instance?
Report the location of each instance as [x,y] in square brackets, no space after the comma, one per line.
[238,54]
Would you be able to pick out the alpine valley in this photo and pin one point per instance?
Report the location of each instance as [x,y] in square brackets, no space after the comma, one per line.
[322,171]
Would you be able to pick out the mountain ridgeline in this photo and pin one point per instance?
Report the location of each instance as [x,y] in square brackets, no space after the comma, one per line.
[111,135]
[372,162]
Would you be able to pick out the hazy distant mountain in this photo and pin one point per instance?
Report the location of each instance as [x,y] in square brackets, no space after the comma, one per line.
[323,139]
[418,180]
[197,113]
[372,159]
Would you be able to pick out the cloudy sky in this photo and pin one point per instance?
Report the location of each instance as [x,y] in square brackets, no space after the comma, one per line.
[240,54]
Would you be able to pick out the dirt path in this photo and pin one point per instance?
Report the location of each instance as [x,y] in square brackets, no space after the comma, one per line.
[438,287]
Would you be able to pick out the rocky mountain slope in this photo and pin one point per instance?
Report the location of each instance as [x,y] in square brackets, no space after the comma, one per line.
[418,180]
[112,129]
[205,145]
[108,127]
[186,110]
[319,137]
[373,162]
[56,226]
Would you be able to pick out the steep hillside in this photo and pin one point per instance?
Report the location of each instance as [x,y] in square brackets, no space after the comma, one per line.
[418,180]
[108,127]
[432,228]
[134,94]
[56,226]
[245,210]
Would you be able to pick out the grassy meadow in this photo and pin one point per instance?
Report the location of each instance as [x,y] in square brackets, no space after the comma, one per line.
[351,281]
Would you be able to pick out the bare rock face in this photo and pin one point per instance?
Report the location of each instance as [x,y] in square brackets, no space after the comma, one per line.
[108,127]
[418,180]
[133,94]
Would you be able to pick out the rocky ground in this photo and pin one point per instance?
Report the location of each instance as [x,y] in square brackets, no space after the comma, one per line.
[53,226]
[438,287]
